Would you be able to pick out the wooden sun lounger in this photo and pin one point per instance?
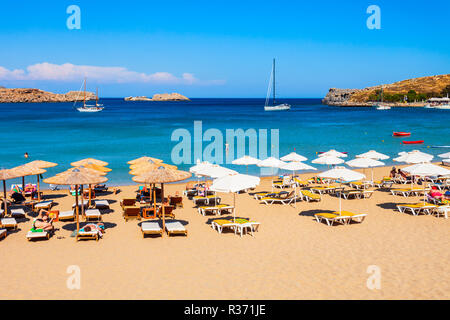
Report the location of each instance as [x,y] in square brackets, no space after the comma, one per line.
[3,233]
[81,203]
[416,208]
[46,205]
[38,235]
[66,215]
[175,227]
[17,213]
[127,202]
[309,196]
[151,227]
[131,213]
[93,214]
[87,235]
[8,223]
[217,209]
[101,204]
[331,218]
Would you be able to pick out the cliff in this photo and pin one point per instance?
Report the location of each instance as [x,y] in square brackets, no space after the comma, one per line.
[424,87]
[160,97]
[39,96]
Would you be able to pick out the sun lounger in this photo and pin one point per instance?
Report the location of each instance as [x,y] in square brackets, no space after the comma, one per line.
[93,214]
[441,211]
[176,202]
[81,203]
[309,196]
[46,205]
[131,213]
[292,197]
[151,227]
[104,204]
[206,199]
[301,183]
[17,213]
[221,224]
[87,235]
[331,218]
[217,209]
[127,203]
[168,212]
[361,184]
[8,223]
[38,235]
[358,217]
[175,227]
[407,192]
[66,215]
[416,208]
[323,190]
[3,233]
[286,183]
[244,224]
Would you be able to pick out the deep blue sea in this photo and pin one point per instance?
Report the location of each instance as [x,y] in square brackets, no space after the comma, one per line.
[126,130]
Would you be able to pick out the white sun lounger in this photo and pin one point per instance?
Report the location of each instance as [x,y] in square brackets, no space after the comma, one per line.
[441,211]
[43,205]
[3,233]
[37,235]
[151,227]
[284,201]
[217,210]
[330,218]
[175,227]
[87,235]
[101,204]
[224,224]
[85,203]
[66,215]
[18,213]
[416,209]
[93,214]
[8,223]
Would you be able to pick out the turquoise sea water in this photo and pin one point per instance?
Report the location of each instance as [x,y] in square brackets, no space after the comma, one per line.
[127,130]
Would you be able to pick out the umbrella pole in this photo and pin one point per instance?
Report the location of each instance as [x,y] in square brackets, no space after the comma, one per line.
[163,211]
[234,205]
[5,199]
[90,196]
[39,189]
[154,200]
[23,185]
[77,209]
[82,200]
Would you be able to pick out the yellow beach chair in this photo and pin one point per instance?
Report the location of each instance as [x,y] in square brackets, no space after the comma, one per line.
[331,218]
[309,196]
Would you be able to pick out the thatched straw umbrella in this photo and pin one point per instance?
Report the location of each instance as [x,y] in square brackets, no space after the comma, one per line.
[98,170]
[143,159]
[35,165]
[78,177]
[6,174]
[25,170]
[89,161]
[162,175]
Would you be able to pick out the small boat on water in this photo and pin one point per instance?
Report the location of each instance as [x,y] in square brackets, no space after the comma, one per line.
[381,105]
[274,107]
[414,142]
[90,108]
[401,134]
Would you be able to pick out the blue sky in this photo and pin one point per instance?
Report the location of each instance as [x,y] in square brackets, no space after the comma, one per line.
[221,48]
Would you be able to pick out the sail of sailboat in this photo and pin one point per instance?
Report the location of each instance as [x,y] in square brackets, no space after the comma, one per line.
[274,107]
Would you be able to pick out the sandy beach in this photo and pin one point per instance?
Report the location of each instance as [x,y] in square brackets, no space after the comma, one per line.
[291,256]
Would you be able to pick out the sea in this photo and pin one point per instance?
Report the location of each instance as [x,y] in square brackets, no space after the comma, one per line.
[126,130]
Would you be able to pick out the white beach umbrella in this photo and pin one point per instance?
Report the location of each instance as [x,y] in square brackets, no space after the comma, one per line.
[364,163]
[445,155]
[372,154]
[245,161]
[333,153]
[271,163]
[426,170]
[216,171]
[328,160]
[200,166]
[294,157]
[414,157]
[342,175]
[296,166]
[234,184]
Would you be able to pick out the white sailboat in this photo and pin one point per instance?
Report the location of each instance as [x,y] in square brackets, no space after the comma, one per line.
[87,107]
[381,105]
[274,107]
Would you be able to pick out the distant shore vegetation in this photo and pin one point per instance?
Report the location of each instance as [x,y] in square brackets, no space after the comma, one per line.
[410,96]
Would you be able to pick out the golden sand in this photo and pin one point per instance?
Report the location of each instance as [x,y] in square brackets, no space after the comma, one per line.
[291,257]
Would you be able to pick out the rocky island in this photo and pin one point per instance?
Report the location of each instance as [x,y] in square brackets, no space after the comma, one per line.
[160,97]
[39,96]
[414,91]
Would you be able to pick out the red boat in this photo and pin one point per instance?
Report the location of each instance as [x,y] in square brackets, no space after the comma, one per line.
[402,134]
[413,142]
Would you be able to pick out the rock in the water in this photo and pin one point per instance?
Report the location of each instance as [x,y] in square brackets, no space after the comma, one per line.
[160,97]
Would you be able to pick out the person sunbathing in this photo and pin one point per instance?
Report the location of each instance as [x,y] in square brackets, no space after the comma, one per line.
[393,172]
[435,194]
[43,222]
[99,228]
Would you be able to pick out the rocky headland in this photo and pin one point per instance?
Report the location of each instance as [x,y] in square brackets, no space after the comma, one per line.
[417,91]
[160,97]
[39,96]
